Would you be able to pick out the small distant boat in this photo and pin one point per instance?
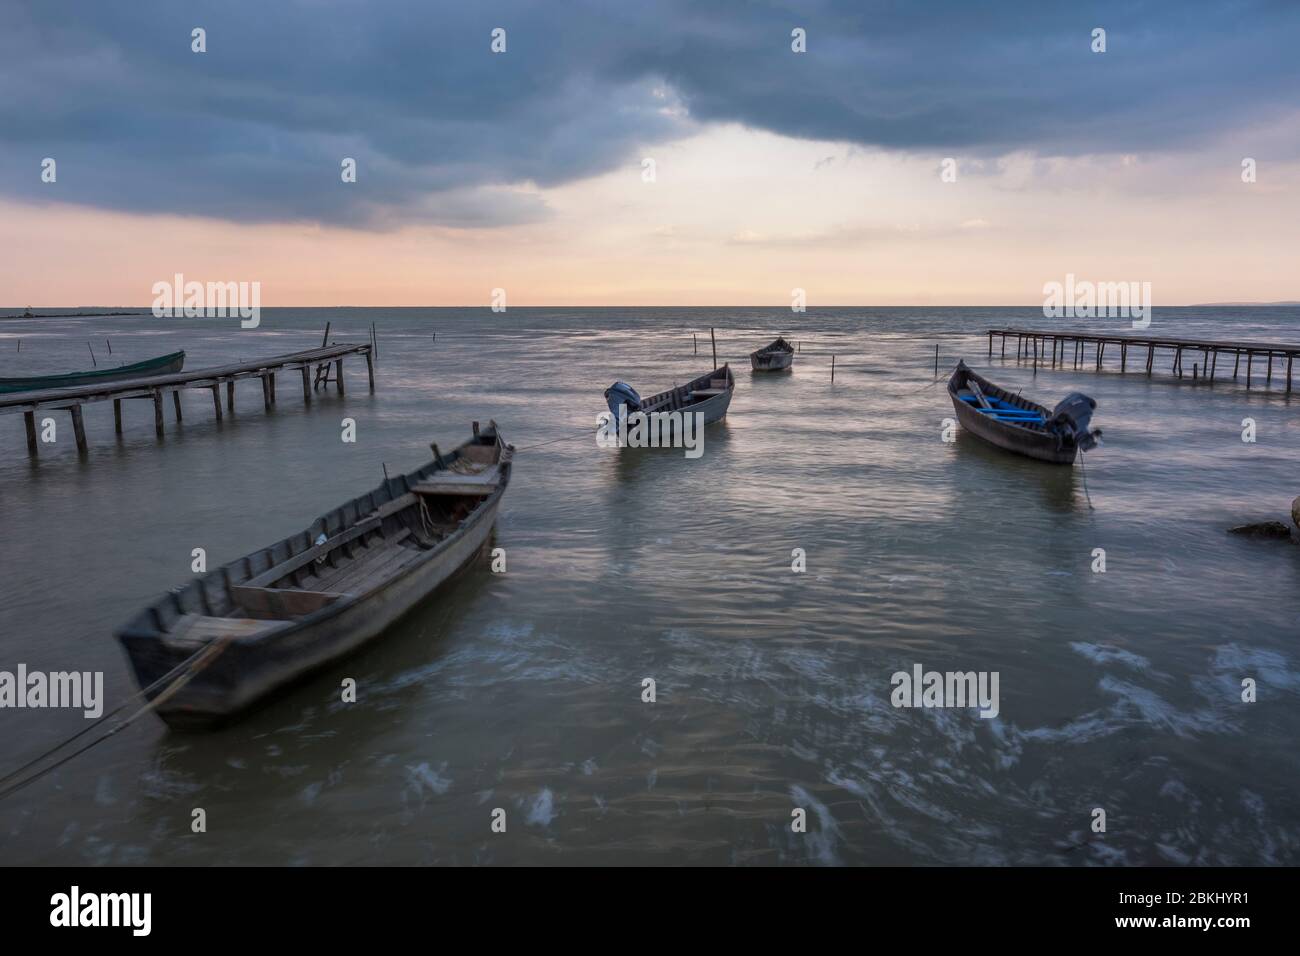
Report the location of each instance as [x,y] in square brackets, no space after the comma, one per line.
[162,365]
[709,395]
[773,358]
[229,638]
[1016,424]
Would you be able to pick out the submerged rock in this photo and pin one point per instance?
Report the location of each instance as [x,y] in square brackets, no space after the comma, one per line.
[1264,529]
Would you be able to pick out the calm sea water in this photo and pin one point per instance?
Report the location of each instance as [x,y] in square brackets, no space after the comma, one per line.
[523,690]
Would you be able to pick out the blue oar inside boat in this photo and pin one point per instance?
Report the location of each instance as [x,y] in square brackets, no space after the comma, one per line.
[1004,411]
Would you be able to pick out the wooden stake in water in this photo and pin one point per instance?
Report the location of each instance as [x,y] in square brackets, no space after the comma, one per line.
[93,363]
[110,346]
[695,340]
[832,368]
[936,360]
[324,340]
[715,348]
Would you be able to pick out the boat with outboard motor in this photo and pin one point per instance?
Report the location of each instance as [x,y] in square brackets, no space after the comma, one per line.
[1016,424]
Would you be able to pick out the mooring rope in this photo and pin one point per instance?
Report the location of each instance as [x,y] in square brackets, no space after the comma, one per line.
[1083,471]
[189,667]
[586,432]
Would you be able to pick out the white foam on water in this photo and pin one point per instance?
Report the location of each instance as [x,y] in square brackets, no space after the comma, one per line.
[541,811]
[822,839]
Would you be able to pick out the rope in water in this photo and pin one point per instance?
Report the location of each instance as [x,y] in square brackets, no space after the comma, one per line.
[187,669]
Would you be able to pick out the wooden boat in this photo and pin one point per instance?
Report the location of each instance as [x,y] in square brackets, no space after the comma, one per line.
[251,627]
[708,395]
[161,365]
[1019,425]
[773,358]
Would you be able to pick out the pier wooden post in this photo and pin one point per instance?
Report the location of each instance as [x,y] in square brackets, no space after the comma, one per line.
[117,415]
[271,376]
[1123,356]
[370,370]
[1004,345]
[216,400]
[266,390]
[1214,364]
[1151,357]
[1250,359]
[990,344]
[1236,364]
[338,373]
[230,395]
[1178,361]
[29,419]
[176,402]
[157,412]
[78,428]
[1289,359]
[1269,379]
[306,384]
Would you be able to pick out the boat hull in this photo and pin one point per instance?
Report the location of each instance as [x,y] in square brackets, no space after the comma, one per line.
[714,409]
[771,361]
[776,357]
[1039,445]
[684,398]
[162,365]
[245,674]
[209,651]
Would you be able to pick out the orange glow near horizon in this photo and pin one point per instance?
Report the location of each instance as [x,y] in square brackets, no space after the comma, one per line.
[734,218]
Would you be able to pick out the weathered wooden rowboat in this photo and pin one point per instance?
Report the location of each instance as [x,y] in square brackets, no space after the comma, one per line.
[286,610]
[1016,424]
[161,365]
[709,395]
[773,358]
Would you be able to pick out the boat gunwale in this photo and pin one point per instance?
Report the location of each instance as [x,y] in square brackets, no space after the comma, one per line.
[649,403]
[346,599]
[29,383]
[1037,429]
[775,347]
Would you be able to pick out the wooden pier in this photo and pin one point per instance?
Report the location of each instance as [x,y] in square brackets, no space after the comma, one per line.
[157,387]
[1033,345]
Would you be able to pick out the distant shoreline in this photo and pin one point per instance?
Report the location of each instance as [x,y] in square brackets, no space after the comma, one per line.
[146,311]
[67,315]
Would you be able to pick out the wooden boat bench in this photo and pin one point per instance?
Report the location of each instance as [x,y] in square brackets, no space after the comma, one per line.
[198,629]
[450,483]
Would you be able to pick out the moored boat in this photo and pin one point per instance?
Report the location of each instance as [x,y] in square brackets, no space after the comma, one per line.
[1016,424]
[775,357]
[230,638]
[708,395]
[160,365]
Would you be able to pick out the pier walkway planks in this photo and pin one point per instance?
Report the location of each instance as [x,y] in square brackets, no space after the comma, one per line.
[157,386]
[1033,343]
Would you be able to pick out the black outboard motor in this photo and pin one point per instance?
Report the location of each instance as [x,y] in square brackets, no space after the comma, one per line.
[1070,420]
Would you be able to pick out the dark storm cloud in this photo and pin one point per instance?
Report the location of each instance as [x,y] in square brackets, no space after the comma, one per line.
[442,129]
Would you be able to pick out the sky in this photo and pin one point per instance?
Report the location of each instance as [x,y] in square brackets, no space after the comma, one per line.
[648,153]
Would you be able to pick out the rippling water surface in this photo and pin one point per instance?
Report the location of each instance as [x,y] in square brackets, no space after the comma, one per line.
[523,690]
